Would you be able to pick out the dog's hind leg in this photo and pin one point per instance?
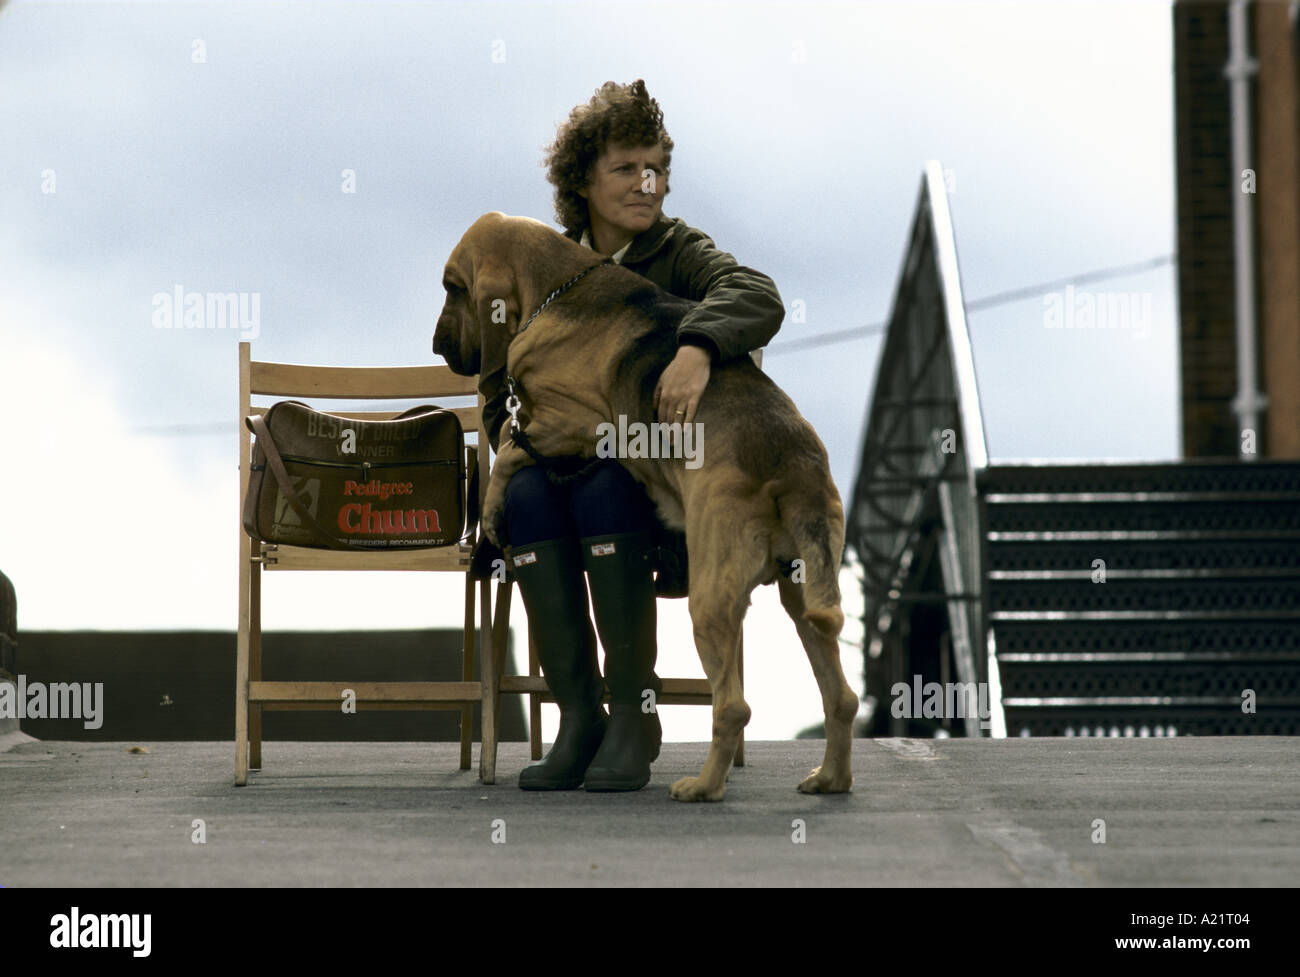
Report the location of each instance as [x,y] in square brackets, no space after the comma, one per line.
[839,702]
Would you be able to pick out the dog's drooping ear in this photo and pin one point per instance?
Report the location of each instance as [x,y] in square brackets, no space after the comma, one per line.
[496,306]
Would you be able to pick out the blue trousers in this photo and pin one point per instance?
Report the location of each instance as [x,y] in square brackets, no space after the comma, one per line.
[605,502]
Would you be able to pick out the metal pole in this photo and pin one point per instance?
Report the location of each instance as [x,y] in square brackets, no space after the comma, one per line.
[1239,70]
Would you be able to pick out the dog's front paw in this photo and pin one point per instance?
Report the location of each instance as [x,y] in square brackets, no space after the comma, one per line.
[494,510]
[492,525]
[509,460]
[818,782]
[695,789]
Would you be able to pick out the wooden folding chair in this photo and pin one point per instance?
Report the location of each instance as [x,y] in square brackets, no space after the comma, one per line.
[676,691]
[252,694]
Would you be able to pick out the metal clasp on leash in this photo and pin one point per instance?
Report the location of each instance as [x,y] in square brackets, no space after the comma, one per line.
[512,403]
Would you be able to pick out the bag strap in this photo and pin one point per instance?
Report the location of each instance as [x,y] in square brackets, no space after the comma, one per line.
[471,496]
[257,425]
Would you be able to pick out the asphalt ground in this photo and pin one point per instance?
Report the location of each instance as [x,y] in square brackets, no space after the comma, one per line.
[1216,812]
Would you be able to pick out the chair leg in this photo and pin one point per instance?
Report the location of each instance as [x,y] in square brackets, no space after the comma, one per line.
[241,663]
[467,675]
[255,665]
[466,736]
[495,622]
[500,644]
[534,701]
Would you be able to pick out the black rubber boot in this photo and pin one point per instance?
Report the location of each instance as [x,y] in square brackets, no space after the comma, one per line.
[623,597]
[555,595]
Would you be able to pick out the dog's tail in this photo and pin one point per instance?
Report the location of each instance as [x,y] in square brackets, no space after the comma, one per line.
[807,547]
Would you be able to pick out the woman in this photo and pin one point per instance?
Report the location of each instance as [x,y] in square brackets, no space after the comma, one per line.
[609,166]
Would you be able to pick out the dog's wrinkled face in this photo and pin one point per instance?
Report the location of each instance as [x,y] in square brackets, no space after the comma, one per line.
[481,312]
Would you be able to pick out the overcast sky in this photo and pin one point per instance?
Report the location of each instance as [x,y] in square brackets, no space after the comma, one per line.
[149,146]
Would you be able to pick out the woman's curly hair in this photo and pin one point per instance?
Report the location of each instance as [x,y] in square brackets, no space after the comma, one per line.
[617,115]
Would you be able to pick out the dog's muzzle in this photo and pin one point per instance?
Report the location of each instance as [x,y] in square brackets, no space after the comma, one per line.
[446,346]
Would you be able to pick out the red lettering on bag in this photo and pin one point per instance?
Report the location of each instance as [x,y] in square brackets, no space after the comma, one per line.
[426,521]
[344,524]
[386,522]
[381,489]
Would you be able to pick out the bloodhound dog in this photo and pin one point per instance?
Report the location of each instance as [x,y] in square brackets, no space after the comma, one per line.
[757,504]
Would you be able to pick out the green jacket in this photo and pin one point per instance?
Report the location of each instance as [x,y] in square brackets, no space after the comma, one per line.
[740,309]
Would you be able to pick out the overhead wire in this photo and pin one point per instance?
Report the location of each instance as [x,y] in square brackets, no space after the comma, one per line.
[812,342]
[977,305]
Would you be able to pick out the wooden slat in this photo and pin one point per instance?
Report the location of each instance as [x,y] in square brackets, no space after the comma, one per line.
[679,699]
[358,382]
[444,558]
[520,684]
[411,693]
[469,416]
[333,706]
[687,686]
[677,691]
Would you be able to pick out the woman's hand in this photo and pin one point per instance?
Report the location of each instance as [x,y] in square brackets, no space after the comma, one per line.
[682,384]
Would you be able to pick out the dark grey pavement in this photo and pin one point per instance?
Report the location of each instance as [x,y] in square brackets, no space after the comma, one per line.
[1016,812]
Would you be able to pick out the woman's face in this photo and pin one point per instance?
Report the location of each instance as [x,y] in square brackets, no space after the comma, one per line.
[627,188]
